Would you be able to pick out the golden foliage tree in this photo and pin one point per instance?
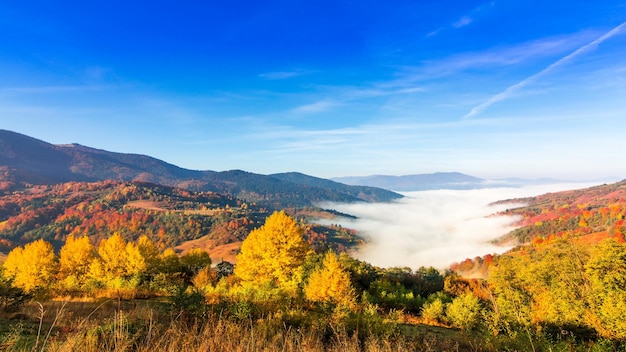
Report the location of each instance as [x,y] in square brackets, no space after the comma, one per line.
[273,254]
[150,254]
[606,270]
[117,260]
[464,311]
[75,257]
[330,284]
[32,266]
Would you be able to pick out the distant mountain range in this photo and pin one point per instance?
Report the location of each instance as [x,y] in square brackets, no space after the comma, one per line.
[26,160]
[438,180]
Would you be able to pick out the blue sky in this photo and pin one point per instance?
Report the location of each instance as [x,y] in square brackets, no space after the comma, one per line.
[329,88]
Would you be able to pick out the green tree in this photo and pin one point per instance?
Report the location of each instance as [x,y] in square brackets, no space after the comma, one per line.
[195,261]
[434,311]
[272,255]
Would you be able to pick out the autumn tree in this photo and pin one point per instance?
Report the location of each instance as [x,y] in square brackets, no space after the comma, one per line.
[330,284]
[272,255]
[195,260]
[150,254]
[169,262]
[33,266]
[118,260]
[464,311]
[434,311]
[75,257]
[606,270]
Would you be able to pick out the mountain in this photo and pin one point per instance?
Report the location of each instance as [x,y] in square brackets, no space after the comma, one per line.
[407,183]
[373,194]
[26,160]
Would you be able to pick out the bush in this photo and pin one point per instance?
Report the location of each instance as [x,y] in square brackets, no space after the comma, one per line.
[464,312]
[11,298]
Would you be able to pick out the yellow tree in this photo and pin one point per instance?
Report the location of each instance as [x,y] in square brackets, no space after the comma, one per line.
[75,257]
[136,262]
[32,266]
[330,284]
[150,254]
[273,254]
[606,270]
[118,260]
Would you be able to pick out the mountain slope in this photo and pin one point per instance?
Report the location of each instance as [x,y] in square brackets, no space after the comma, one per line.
[362,192]
[26,160]
[169,216]
[407,183]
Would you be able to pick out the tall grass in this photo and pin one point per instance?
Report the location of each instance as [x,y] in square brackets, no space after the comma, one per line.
[148,326]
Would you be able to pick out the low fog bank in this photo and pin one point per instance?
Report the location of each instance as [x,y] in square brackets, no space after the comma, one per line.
[438,227]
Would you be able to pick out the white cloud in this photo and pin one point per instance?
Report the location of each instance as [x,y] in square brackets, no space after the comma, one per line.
[512,90]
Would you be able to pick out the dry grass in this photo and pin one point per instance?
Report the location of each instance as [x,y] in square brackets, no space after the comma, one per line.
[227,252]
[150,326]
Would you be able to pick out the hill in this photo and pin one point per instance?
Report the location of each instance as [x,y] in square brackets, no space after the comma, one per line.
[28,161]
[372,194]
[420,182]
[169,216]
[584,216]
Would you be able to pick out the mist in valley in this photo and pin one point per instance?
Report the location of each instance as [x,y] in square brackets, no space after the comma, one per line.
[438,227]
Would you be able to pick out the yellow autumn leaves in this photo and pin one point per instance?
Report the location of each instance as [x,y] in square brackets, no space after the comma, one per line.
[273,257]
[271,264]
[81,268]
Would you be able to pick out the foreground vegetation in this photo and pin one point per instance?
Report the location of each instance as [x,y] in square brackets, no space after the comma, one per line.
[558,294]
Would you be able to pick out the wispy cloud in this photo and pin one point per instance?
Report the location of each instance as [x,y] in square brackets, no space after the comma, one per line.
[316,107]
[332,97]
[500,56]
[512,90]
[464,20]
[278,75]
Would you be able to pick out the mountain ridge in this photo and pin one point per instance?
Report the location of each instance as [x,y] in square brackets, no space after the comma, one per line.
[415,182]
[27,160]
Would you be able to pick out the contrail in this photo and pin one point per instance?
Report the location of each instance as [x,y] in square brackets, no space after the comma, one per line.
[514,88]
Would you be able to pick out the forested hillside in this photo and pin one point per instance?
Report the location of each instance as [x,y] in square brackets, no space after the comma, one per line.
[168,216]
[585,216]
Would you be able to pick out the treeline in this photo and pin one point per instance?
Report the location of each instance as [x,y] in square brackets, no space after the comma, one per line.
[115,268]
